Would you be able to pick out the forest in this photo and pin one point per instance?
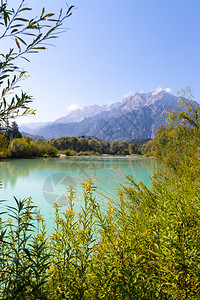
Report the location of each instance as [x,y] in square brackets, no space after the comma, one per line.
[13,145]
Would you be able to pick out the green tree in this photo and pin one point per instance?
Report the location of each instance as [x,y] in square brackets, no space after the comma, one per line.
[44,149]
[178,143]
[161,141]
[20,148]
[73,141]
[26,34]
[123,148]
[134,149]
[4,151]
[3,141]
[189,116]
[147,148]
[15,130]
[12,131]
[115,148]
[83,144]
[92,145]
[106,147]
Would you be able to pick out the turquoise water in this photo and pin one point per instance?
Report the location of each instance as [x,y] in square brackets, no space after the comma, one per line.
[47,180]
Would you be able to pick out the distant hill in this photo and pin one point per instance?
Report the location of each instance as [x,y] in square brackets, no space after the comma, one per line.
[137,117]
[34,137]
[31,126]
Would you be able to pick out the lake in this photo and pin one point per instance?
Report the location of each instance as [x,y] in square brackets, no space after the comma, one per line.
[47,180]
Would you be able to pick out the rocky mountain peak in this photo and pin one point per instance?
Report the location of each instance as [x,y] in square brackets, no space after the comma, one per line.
[139,100]
[137,116]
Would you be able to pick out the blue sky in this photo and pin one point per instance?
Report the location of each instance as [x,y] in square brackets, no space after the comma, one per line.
[113,48]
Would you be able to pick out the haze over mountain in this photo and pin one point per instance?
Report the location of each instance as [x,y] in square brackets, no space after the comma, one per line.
[137,116]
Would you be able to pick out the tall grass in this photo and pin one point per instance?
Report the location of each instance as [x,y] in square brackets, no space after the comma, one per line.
[144,247]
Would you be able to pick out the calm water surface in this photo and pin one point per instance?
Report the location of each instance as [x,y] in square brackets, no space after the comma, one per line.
[47,180]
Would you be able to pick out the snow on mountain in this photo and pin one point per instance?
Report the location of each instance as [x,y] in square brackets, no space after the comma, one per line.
[85,112]
[137,116]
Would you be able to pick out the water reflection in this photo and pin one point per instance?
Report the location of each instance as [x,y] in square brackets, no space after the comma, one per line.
[47,180]
[11,170]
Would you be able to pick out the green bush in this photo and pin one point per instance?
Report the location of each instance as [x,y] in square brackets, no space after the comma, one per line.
[87,153]
[145,247]
[26,147]
[46,149]
[69,152]
[20,148]
[5,153]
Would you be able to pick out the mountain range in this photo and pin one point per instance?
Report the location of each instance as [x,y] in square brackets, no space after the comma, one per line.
[137,116]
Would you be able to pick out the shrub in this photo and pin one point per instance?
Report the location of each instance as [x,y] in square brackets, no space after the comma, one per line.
[144,247]
[5,153]
[20,148]
[26,147]
[46,149]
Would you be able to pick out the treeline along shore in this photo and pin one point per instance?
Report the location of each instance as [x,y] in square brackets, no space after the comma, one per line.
[13,145]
